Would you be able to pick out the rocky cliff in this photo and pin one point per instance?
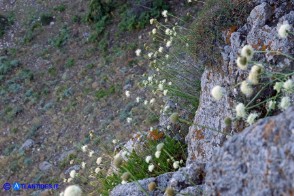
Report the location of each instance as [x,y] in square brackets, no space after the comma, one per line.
[256,160]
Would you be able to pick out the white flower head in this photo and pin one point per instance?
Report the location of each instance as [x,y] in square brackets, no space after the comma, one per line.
[150,167]
[283,30]
[150,55]
[176,164]
[152,20]
[285,103]
[251,118]
[91,153]
[129,120]
[288,85]
[128,94]
[246,88]
[145,102]
[278,86]
[114,141]
[254,74]
[73,190]
[152,101]
[165,92]
[99,160]
[124,182]
[168,31]
[168,43]
[83,165]
[217,92]
[72,173]
[69,180]
[166,56]
[148,159]
[138,52]
[271,105]
[247,51]
[154,31]
[164,13]
[159,146]
[97,170]
[240,110]
[150,78]
[160,49]
[84,148]
[160,87]
[138,99]
[157,154]
[242,62]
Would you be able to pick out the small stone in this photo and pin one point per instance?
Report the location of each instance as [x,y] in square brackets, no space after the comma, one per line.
[27,144]
[44,166]
[94,85]
[75,167]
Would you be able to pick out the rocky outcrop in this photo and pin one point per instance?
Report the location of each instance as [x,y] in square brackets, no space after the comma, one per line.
[260,31]
[140,188]
[187,180]
[258,161]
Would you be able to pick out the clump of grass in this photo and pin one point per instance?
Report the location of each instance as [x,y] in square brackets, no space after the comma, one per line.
[156,155]
[175,74]
[11,112]
[136,15]
[69,63]
[215,17]
[99,9]
[60,8]
[156,158]
[105,92]
[46,18]
[6,66]
[3,25]
[61,39]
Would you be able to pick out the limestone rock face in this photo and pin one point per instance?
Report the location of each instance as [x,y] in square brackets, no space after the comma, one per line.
[260,31]
[133,189]
[258,161]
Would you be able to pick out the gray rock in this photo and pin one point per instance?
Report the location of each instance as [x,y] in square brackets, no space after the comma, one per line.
[133,189]
[261,32]
[27,144]
[191,175]
[259,15]
[64,155]
[75,167]
[44,166]
[192,191]
[258,161]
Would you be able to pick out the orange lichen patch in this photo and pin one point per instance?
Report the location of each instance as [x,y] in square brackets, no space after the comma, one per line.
[266,47]
[268,129]
[155,135]
[256,46]
[199,134]
[231,30]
